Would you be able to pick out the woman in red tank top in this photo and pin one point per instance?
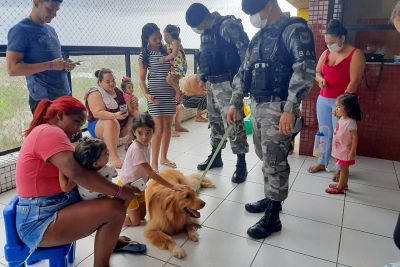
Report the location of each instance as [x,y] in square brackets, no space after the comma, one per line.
[339,70]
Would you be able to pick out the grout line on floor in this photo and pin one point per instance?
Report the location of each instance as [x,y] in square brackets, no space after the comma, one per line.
[341,230]
[297,252]
[248,238]
[372,205]
[165,264]
[397,175]
[83,259]
[365,232]
[352,181]
[291,215]
[295,178]
[255,256]
[315,194]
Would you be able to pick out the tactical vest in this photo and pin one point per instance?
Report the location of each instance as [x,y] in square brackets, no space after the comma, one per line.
[270,66]
[217,56]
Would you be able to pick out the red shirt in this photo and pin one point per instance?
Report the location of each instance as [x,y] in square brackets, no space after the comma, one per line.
[337,77]
[35,176]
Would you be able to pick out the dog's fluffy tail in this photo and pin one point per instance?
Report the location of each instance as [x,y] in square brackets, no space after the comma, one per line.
[205,183]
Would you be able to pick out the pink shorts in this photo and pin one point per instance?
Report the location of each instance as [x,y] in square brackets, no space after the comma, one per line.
[345,163]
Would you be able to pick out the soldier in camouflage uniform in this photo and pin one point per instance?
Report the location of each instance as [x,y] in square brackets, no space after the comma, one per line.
[223,47]
[278,72]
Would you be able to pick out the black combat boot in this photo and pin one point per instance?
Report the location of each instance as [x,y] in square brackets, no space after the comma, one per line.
[259,206]
[268,224]
[240,174]
[216,164]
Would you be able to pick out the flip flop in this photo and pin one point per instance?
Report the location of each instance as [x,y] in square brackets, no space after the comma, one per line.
[336,185]
[335,191]
[317,169]
[169,164]
[132,247]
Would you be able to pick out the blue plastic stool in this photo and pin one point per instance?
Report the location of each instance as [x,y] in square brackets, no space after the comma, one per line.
[17,253]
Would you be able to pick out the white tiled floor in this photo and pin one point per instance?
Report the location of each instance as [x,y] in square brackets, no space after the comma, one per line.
[318,229]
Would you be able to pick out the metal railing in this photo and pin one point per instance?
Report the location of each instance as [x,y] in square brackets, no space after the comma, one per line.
[90,53]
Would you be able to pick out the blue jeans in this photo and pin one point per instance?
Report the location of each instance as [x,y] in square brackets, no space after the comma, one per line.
[326,120]
[35,214]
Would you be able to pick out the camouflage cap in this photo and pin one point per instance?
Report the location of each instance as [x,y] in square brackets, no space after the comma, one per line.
[195,14]
[251,7]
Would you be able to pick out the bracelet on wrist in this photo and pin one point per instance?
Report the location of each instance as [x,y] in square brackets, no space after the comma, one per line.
[50,65]
[119,192]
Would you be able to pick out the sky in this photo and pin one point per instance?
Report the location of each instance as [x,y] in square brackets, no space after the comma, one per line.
[119,22]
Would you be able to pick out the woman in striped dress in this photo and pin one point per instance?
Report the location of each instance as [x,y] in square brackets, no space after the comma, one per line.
[160,96]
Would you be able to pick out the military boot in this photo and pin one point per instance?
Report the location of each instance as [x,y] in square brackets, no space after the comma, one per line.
[259,206]
[216,164]
[240,174]
[268,224]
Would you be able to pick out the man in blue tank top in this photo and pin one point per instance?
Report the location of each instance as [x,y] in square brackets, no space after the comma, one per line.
[34,51]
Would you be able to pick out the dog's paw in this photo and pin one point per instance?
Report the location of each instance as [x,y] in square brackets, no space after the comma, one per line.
[178,252]
[194,236]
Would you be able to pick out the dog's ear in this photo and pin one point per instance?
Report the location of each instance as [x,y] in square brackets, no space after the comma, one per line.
[169,202]
[156,197]
[169,205]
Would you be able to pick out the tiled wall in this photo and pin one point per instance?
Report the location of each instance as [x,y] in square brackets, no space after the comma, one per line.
[7,172]
[379,130]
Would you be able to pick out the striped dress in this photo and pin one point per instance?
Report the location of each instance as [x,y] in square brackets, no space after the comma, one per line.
[158,87]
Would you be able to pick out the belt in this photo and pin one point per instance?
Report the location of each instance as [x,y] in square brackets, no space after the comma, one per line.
[264,99]
[219,78]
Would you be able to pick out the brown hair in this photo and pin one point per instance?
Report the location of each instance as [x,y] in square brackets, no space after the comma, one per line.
[100,74]
[88,151]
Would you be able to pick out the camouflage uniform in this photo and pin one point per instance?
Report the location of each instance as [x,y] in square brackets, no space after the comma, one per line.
[298,71]
[219,94]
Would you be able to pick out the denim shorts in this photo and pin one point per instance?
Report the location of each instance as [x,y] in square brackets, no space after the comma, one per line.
[35,214]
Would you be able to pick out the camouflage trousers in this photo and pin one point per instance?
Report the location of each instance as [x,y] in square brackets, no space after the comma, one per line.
[272,148]
[218,97]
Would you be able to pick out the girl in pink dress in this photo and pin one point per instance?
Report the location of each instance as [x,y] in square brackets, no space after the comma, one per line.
[345,140]
[132,103]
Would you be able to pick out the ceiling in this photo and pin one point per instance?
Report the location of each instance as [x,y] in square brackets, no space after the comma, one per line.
[299,4]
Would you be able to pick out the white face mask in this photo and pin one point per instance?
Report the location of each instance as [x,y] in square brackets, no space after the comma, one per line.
[257,22]
[197,31]
[334,47]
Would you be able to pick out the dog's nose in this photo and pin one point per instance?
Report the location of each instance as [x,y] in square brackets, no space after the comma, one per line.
[202,203]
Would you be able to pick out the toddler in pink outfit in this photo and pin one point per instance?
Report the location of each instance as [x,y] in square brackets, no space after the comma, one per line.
[345,140]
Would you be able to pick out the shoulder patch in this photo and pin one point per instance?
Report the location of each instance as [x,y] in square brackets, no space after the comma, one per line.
[305,37]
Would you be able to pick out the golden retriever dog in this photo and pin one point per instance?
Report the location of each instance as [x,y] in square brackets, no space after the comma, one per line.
[172,212]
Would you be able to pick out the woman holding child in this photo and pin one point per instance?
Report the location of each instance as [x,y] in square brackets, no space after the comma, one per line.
[47,216]
[160,96]
[108,117]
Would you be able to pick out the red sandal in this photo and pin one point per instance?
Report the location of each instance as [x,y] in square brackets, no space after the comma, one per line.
[335,191]
[336,185]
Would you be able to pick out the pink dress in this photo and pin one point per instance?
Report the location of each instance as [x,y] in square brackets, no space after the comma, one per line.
[341,144]
[128,100]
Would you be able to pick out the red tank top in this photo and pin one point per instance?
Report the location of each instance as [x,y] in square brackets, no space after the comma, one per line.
[337,77]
